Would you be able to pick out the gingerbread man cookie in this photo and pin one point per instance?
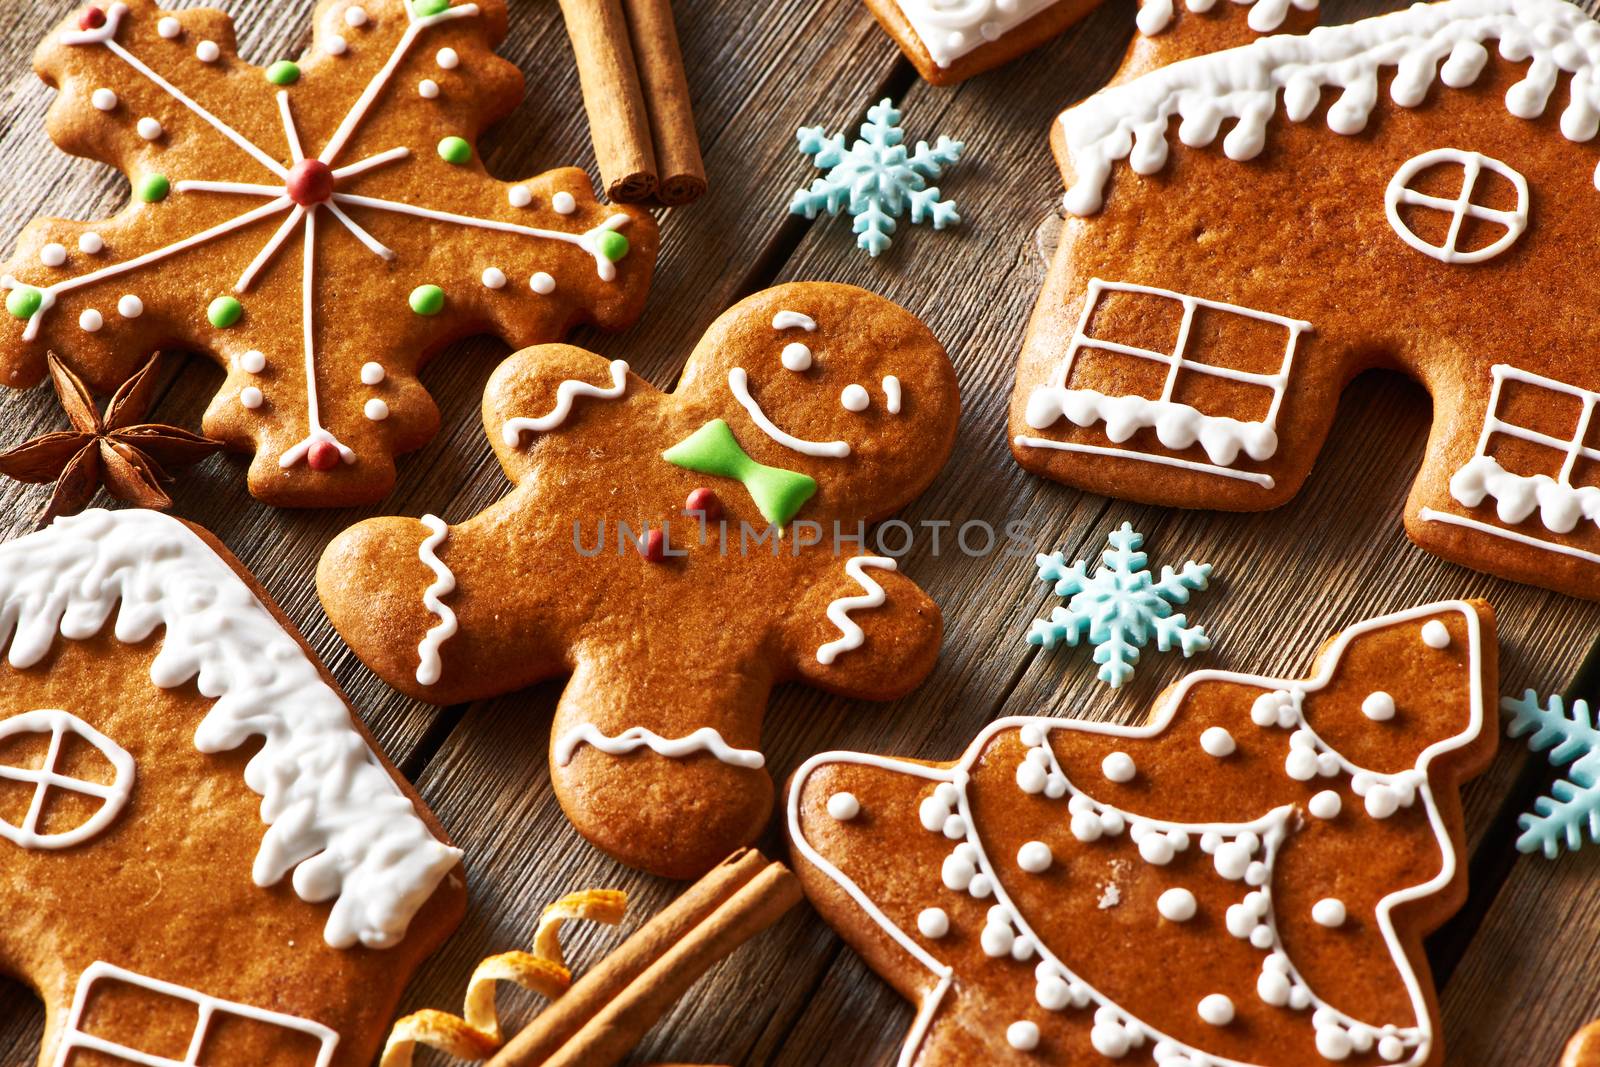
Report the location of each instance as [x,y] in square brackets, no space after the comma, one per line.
[318,227]
[805,412]
[157,709]
[1393,193]
[1245,879]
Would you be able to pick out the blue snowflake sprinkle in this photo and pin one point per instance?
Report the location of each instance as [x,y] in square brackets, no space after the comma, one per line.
[876,178]
[1120,606]
[1573,807]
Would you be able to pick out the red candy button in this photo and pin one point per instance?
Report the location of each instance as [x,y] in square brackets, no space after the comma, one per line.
[310,182]
[705,502]
[91,19]
[324,456]
[654,548]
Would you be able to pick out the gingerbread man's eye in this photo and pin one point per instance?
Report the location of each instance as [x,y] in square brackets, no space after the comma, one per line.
[854,398]
[796,357]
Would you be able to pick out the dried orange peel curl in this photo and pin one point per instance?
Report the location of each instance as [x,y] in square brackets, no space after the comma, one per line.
[476,1035]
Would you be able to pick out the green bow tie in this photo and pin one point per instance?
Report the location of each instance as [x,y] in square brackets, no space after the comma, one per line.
[712,449]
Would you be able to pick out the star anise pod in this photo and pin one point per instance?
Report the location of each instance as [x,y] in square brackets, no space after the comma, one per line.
[116,450]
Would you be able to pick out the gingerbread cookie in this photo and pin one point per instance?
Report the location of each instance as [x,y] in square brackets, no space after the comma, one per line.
[1199,320]
[1246,878]
[319,228]
[677,554]
[157,710]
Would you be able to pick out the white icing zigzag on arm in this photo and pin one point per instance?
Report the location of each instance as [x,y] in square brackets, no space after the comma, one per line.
[704,739]
[839,611]
[566,392]
[429,667]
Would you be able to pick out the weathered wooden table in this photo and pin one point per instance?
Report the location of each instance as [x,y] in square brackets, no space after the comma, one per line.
[1514,967]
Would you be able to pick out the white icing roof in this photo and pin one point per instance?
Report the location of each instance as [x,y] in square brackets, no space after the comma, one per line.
[335,816]
[1443,40]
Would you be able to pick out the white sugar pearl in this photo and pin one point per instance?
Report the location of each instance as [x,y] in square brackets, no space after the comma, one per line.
[130,307]
[1216,1009]
[564,203]
[169,27]
[1382,802]
[797,357]
[1434,634]
[1023,1036]
[1111,1041]
[1329,912]
[207,52]
[91,244]
[1052,993]
[375,409]
[355,16]
[91,320]
[427,88]
[1379,706]
[1334,1044]
[103,99]
[1326,804]
[447,59]
[253,362]
[250,397]
[996,941]
[542,283]
[854,398]
[494,278]
[1232,860]
[1118,767]
[1035,857]
[1217,741]
[844,806]
[1391,1048]
[1086,827]
[1273,988]
[1177,905]
[337,46]
[933,923]
[149,128]
[1301,764]
[53,254]
[519,195]
[371,373]
[1154,848]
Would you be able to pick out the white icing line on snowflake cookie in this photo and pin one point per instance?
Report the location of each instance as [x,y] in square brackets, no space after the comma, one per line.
[704,739]
[1129,121]
[739,384]
[566,392]
[335,817]
[839,611]
[429,666]
[1284,698]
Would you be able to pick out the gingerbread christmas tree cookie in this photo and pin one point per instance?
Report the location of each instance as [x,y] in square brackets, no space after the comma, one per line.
[319,227]
[1243,879]
[677,554]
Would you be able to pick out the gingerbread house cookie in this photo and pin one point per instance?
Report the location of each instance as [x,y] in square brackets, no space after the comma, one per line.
[1249,229]
[319,227]
[203,858]
[1244,879]
[677,554]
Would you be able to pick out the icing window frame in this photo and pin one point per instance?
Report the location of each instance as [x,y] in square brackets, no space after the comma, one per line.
[1473,164]
[114,796]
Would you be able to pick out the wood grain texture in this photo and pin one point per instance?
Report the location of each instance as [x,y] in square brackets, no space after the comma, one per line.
[1515,978]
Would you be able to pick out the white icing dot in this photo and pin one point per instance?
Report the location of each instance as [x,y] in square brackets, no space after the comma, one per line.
[130,307]
[1023,1035]
[250,397]
[494,278]
[1326,804]
[854,398]
[355,16]
[103,99]
[447,59]
[981,886]
[1434,634]
[955,827]
[1334,1044]
[519,195]
[1301,764]
[1086,827]
[427,88]
[371,373]
[337,46]
[1232,860]
[844,806]
[375,409]
[1216,1009]
[797,357]
[91,320]
[564,203]
[53,254]
[933,923]
[148,128]
[1379,706]
[1035,857]
[1273,988]
[1052,993]
[542,283]
[1155,848]
[1391,1048]
[1382,802]
[1110,1041]
[253,362]
[1329,912]
[1031,778]
[207,52]
[169,27]
[1118,767]
[1177,905]
[91,244]
[1217,741]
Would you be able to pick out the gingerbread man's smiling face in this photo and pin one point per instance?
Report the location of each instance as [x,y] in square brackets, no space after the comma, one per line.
[832,382]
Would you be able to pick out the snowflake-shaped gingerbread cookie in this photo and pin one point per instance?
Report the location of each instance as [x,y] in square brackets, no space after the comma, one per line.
[318,226]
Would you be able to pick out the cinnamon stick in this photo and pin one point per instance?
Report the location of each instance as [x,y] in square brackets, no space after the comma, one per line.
[609,1009]
[666,97]
[618,121]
